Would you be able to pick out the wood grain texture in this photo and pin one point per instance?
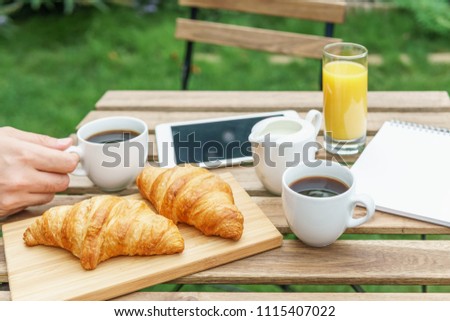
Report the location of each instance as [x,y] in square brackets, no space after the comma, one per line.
[381,223]
[260,296]
[323,10]
[34,211]
[3,271]
[245,176]
[344,262]
[263,101]
[5,296]
[287,43]
[374,121]
[276,296]
[47,273]
[83,185]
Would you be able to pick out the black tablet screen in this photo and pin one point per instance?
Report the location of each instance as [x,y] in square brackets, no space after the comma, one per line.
[209,142]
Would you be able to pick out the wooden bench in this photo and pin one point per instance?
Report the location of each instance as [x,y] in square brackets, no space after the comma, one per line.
[273,41]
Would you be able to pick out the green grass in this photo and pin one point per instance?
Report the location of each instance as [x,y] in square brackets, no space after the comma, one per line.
[55,67]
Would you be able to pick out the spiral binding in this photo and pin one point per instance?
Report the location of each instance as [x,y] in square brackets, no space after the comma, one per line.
[420,127]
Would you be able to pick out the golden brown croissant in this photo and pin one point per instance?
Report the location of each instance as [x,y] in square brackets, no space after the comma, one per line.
[102,227]
[194,196]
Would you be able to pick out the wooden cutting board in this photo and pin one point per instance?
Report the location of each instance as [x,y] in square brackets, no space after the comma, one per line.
[47,273]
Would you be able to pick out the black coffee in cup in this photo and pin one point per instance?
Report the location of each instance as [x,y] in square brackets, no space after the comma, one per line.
[319,186]
[112,136]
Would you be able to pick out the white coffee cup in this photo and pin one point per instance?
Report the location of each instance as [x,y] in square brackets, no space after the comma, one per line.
[282,142]
[112,166]
[321,221]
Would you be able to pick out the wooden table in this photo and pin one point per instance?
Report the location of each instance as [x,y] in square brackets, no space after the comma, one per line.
[357,261]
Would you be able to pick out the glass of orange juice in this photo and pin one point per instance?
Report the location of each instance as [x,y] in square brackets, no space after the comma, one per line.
[344,81]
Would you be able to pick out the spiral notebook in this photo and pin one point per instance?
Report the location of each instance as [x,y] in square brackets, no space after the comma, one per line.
[406,169]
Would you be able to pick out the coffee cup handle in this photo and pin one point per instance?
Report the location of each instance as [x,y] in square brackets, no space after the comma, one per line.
[315,118]
[368,203]
[79,171]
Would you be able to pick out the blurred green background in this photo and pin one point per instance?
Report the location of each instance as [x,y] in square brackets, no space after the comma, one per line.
[58,58]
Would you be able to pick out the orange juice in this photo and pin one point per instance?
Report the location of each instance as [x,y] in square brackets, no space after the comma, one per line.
[345,99]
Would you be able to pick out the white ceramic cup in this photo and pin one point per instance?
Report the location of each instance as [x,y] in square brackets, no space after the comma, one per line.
[321,221]
[112,166]
[282,142]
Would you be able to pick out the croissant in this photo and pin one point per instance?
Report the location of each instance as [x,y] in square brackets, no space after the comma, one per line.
[194,196]
[102,227]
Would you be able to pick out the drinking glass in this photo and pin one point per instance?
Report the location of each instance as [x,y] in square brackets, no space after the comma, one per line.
[345,97]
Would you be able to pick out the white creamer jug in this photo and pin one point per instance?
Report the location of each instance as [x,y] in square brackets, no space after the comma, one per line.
[282,142]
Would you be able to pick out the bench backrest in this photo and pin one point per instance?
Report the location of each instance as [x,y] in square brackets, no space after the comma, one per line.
[288,43]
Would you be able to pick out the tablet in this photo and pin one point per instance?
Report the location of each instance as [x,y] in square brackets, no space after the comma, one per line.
[209,143]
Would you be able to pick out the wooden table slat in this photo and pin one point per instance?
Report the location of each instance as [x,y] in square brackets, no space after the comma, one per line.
[5,296]
[246,177]
[374,121]
[382,223]
[3,270]
[275,296]
[279,296]
[344,262]
[257,101]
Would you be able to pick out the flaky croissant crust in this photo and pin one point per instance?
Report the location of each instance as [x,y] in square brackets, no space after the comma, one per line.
[106,226]
[194,196]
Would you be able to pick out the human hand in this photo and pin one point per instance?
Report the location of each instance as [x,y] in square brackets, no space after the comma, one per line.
[33,168]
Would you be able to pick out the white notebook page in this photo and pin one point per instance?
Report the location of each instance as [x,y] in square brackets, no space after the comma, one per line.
[406,169]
